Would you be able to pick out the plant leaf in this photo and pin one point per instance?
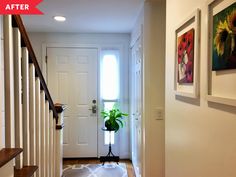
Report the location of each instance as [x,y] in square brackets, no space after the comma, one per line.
[121,123]
[124,114]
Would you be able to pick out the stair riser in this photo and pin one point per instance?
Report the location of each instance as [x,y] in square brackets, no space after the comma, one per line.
[7,170]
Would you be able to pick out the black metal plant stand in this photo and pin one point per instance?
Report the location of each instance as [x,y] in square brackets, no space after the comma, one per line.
[110,157]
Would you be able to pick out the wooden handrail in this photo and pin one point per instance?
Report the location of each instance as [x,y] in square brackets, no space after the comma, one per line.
[17,22]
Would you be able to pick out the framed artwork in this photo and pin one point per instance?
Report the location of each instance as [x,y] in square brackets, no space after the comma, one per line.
[187,54]
[224,39]
[221,52]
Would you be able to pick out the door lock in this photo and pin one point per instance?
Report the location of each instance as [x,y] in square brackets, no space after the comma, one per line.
[94,107]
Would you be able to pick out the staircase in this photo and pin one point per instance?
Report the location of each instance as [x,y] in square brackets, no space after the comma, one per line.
[33,124]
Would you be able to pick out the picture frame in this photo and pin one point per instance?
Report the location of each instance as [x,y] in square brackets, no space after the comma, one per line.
[220,88]
[187,41]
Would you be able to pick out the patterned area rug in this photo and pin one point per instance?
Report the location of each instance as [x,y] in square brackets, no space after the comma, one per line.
[96,170]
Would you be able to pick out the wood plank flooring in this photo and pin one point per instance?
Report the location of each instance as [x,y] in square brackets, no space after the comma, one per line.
[128,163]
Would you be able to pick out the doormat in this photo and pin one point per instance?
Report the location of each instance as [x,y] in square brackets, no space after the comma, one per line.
[96,170]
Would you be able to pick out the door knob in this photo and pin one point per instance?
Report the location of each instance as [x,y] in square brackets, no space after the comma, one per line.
[94,107]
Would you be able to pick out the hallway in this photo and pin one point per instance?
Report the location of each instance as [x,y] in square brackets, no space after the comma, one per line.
[174,73]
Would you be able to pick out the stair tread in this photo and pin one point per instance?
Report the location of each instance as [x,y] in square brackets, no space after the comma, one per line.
[26,171]
[7,154]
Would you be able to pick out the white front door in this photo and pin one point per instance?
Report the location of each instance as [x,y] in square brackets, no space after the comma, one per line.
[136,97]
[72,80]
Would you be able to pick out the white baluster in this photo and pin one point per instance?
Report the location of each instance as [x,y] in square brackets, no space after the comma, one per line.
[25,106]
[47,138]
[54,147]
[18,96]
[32,114]
[2,109]
[51,144]
[38,127]
[9,81]
[42,139]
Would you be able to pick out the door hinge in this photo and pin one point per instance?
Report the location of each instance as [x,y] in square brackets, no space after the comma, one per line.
[46,59]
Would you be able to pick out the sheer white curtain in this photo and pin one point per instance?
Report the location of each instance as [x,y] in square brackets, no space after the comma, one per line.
[110,82]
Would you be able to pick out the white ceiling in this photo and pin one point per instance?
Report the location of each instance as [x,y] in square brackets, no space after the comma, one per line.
[85,16]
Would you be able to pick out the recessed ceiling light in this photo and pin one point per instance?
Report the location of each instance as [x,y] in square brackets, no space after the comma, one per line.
[59,18]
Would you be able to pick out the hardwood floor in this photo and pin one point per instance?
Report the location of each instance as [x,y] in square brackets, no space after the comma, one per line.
[128,163]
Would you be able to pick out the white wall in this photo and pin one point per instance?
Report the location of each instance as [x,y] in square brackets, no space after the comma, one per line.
[2,120]
[37,39]
[100,41]
[200,136]
[153,86]
[154,93]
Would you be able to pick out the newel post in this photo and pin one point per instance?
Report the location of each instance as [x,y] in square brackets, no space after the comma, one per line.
[59,139]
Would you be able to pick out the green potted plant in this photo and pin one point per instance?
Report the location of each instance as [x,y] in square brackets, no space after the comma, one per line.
[114,119]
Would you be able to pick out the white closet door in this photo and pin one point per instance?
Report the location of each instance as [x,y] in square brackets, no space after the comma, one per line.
[136,97]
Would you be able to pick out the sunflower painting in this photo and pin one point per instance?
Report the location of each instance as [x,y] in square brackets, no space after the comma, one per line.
[185,53]
[224,39]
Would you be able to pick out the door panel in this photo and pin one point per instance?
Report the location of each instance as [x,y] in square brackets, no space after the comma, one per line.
[72,80]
